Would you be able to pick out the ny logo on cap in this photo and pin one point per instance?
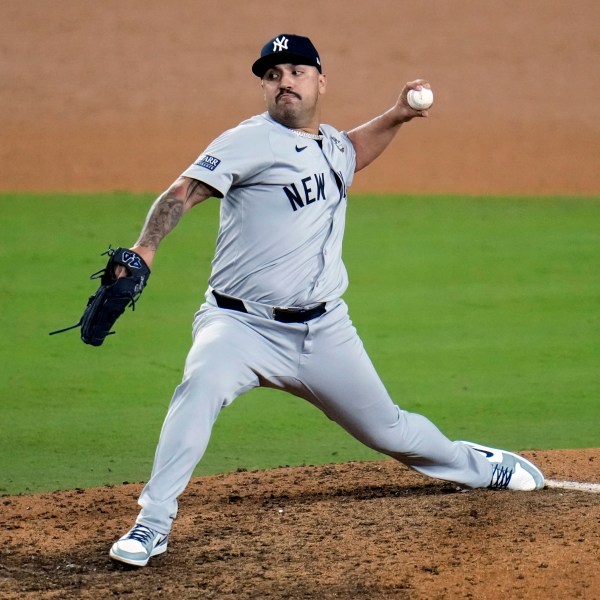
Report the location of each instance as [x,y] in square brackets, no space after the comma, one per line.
[280,44]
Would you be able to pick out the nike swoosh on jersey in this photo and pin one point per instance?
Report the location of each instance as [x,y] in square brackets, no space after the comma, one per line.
[300,149]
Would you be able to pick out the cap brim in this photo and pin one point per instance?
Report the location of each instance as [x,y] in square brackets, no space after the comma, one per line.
[260,67]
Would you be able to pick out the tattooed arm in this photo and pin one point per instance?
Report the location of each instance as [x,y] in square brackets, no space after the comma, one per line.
[372,138]
[167,211]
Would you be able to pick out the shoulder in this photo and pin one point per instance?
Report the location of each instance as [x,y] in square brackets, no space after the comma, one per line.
[260,138]
[333,134]
[253,130]
[329,130]
[338,139]
[236,154]
[240,143]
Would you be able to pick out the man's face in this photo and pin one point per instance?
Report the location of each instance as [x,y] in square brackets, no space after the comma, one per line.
[292,94]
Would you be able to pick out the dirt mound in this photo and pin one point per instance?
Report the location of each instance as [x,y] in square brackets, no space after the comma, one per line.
[349,531]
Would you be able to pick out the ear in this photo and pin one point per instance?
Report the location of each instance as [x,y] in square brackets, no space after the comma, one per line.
[322,83]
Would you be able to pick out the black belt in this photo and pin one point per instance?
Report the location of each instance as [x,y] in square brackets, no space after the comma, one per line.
[283,315]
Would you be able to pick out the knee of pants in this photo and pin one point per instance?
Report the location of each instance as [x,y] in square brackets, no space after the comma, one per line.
[208,387]
[198,400]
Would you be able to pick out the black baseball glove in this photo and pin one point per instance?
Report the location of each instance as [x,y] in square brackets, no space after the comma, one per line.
[113,296]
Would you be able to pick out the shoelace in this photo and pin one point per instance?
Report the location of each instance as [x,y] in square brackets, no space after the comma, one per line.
[501,477]
[141,533]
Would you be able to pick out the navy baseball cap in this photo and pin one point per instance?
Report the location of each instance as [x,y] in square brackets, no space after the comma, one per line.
[286,48]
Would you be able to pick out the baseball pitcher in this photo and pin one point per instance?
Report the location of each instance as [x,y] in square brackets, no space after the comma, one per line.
[274,314]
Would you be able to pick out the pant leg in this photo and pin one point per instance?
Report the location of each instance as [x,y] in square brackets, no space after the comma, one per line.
[218,369]
[343,382]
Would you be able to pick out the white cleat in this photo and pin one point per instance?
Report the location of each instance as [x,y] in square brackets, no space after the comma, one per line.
[138,545]
[511,471]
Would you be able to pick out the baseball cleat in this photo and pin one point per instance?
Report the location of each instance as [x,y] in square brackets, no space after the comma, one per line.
[510,471]
[138,545]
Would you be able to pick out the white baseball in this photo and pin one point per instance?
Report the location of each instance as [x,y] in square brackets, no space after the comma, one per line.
[420,99]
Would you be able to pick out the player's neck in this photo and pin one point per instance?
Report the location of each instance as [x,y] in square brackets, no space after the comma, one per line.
[309,126]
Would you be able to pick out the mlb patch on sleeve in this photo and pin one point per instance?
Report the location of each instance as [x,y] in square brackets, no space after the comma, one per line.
[208,162]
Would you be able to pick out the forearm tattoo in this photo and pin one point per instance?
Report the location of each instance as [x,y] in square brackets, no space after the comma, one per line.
[197,192]
[162,218]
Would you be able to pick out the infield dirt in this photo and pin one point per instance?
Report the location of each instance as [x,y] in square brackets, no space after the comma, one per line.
[354,531]
[124,95]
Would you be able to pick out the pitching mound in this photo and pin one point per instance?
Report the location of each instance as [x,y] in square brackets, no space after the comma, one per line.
[351,531]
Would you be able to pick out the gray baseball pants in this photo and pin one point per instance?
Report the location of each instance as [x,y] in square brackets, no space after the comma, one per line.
[322,361]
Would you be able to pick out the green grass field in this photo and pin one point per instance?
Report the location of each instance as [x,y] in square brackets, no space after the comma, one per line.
[481,313]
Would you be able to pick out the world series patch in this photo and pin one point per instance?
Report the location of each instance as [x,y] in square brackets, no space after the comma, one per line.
[208,162]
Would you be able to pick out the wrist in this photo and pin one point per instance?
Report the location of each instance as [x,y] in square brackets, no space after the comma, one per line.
[402,113]
[146,252]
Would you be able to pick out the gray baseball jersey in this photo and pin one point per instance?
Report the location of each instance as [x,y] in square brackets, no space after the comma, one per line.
[282,213]
[279,244]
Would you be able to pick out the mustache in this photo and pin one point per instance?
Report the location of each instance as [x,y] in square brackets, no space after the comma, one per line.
[282,92]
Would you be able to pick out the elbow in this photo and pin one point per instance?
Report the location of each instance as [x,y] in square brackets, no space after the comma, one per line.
[190,192]
[178,190]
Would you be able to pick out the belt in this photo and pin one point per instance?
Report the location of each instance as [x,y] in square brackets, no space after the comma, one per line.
[279,313]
